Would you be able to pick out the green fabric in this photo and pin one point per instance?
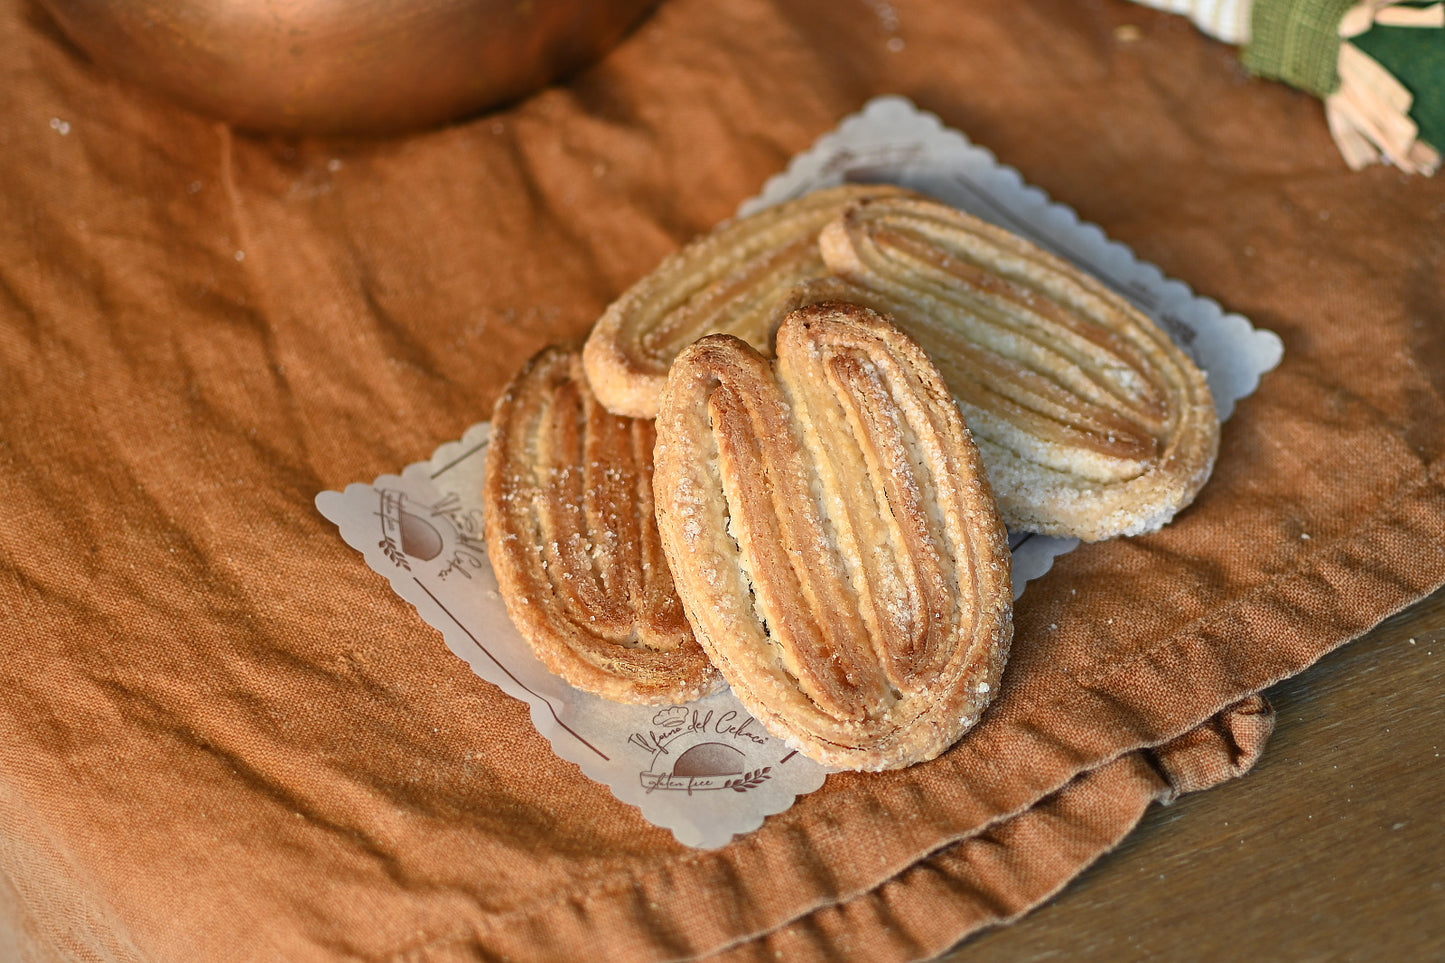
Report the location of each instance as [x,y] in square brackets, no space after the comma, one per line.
[1298,42]
[1416,56]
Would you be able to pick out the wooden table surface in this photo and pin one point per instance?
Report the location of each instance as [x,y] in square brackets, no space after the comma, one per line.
[1332,848]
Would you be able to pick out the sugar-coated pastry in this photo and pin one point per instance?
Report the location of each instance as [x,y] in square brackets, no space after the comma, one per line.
[833,537]
[1091,420]
[573,539]
[727,281]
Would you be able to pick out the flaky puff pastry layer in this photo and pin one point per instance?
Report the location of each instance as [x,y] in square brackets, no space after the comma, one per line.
[573,539]
[728,281]
[833,537]
[1091,420]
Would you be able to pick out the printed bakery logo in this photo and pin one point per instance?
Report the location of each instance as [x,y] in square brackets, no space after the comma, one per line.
[446,533]
[695,750]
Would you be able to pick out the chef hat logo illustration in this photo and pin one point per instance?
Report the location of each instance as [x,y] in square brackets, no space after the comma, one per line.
[671,717]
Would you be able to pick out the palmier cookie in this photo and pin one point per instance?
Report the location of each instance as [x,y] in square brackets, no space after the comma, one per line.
[573,539]
[1091,420]
[727,281]
[833,537]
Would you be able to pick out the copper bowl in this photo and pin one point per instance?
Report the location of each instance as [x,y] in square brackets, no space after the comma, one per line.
[343,66]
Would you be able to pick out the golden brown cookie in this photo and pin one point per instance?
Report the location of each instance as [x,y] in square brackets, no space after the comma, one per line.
[729,280]
[1091,420]
[833,537]
[573,540]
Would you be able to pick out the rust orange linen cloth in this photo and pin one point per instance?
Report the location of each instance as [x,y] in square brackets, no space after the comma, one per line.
[222,737]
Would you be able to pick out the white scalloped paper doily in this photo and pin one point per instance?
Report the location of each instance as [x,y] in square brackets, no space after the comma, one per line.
[707,771]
